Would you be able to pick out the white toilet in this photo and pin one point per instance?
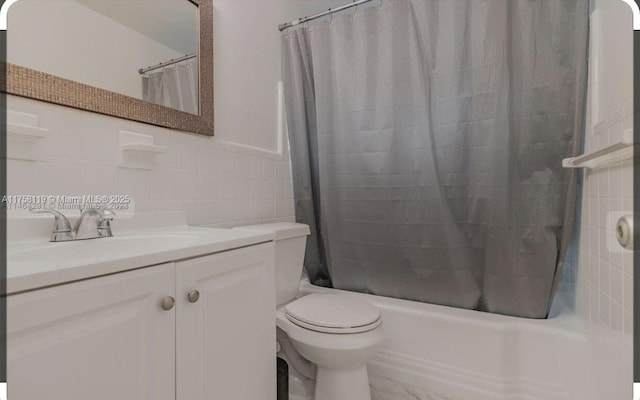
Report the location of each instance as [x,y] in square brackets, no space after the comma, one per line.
[337,333]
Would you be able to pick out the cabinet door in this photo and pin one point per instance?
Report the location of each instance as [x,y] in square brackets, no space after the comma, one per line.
[226,340]
[101,339]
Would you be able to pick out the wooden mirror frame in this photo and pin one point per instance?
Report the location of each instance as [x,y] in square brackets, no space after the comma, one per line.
[26,82]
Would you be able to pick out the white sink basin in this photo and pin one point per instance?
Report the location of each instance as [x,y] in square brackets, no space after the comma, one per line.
[81,251]
[38,263]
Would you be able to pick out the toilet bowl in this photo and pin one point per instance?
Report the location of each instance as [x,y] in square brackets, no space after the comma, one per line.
[337,333]
[340,346]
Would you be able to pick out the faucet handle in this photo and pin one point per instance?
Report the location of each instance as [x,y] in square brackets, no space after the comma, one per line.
[108,214]
[61,227]
[104,225]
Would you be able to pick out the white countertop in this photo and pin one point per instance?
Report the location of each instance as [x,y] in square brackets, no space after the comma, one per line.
[37,263]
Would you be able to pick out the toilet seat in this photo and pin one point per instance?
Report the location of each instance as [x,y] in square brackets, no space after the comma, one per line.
[330,313]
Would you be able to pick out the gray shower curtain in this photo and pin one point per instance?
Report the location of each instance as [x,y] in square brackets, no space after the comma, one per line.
[426,139]
[174,86]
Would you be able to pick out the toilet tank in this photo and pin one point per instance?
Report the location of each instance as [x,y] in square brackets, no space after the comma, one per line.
[290,242]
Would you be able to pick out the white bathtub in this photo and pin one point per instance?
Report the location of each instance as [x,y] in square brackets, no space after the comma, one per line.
[438,352]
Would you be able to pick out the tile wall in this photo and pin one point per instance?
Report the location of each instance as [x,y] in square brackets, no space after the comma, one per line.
[217,183]
[602,273]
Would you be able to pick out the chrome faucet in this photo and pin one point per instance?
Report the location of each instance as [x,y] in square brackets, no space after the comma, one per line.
[93,224]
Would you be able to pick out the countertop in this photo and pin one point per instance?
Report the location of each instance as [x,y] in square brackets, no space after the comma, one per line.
[33,264]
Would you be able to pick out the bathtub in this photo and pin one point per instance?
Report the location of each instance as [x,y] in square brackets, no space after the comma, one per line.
[437,352]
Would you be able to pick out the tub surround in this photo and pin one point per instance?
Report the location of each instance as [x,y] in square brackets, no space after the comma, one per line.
[602,273]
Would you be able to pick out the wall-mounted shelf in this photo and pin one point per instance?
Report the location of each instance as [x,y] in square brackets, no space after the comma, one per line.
[612,154]
[143,148]
[23,134]
[138,150]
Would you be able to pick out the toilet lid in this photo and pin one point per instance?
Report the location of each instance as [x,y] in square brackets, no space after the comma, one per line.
[333,313]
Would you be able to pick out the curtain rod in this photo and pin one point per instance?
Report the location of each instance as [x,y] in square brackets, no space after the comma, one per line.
[302,20]
[164,64]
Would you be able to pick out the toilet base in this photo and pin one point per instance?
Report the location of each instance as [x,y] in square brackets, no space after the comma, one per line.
[342,384]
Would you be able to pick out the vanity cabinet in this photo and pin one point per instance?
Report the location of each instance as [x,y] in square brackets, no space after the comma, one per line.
[226,338]
[99,339]
[116,336]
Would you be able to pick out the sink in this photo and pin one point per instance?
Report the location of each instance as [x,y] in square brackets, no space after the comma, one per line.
[96,249]
[34,263]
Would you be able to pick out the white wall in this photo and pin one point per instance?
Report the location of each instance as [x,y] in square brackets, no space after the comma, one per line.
[66,39]
[604,281]
[247,65]
[234,178]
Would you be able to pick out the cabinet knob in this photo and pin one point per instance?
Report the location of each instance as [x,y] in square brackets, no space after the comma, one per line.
[168,303]
[193,296]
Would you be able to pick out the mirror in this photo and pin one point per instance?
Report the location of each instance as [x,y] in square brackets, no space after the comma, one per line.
[146,60]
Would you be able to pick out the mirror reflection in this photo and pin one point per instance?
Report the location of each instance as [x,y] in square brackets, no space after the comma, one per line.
[145,49]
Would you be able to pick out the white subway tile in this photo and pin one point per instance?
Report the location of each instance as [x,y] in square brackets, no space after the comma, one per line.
[242,189]
[213,182]
[594,265]
[209,159]
[627,179]
[627,283]
[242,210]
[257,189]
[617,323]
[257,167]
[226,187]
[615,181]
[63,142]
[99,179]
[227,163]
[226,211]
[269,168]
[209,212]
[164,205]
[58,178]
[137,184]
[209,186]
[616,284]
[628,322]
[188,154]
[168,159]
[604,277]
[282,172]
[164,185]
[604,308]
[594,303]
[188,186]
[21,177]
[243,165]
[268,209]
[192,210]
[256,210]
[99,139]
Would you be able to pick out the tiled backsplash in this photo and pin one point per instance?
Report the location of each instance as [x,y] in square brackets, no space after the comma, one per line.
[216,183]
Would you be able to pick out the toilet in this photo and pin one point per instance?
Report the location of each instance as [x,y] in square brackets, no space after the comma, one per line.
[337,333]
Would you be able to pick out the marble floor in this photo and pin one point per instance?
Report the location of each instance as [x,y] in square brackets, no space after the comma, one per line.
[387,389]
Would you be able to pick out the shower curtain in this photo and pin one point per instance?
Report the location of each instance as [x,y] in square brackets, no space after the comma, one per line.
[427,138]
[175,86]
